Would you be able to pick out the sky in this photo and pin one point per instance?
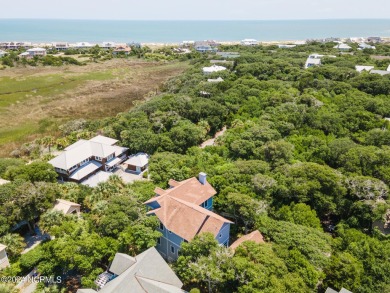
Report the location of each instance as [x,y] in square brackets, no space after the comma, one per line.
[195,10]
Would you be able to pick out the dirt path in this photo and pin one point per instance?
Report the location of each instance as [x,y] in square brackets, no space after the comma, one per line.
[211,141]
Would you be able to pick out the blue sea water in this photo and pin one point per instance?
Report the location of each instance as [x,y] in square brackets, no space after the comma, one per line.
[46,30]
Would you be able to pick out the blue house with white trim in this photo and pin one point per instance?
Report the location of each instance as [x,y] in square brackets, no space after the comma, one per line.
[184,211]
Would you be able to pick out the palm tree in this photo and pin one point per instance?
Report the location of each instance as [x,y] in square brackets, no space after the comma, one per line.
[15,244]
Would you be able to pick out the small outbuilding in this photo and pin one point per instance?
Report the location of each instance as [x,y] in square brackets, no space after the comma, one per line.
[255,236]
[67,207]
[137,163]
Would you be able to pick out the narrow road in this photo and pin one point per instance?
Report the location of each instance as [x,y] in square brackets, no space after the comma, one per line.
[211,141]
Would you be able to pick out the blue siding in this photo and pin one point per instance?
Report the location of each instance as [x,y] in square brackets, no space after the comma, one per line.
[167,241]
[208,204]
[224,235]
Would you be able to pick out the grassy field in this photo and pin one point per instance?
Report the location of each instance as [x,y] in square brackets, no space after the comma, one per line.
[34,101]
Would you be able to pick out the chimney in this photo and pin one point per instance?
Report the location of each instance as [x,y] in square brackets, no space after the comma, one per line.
[202,178]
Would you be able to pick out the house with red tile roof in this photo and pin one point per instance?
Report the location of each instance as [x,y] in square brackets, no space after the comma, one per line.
[184,211]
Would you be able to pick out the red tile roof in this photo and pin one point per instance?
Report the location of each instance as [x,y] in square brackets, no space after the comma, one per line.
[180,211]
[254,236]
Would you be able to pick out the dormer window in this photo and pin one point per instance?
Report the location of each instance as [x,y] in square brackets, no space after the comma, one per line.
[161,227]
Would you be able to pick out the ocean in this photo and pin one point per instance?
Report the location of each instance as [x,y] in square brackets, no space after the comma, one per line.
[46,30]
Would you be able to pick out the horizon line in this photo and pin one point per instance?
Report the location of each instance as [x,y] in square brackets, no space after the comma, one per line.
[106,19]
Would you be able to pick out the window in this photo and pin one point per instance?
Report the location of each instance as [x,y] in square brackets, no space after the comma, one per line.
[159,241]
[161,227]
[98,159]
[172,249]
[170,232]
[220,235]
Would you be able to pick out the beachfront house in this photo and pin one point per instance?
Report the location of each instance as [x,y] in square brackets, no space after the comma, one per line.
[67,207]
[137,163]
[205,46]
[374,40]
[121,49]
[107,45]
[213,68]
[4,262]
[60,46]
[3,53]
[146,272]
[249,42]
[85,158]
[16,45]
[184,211]
[83,45]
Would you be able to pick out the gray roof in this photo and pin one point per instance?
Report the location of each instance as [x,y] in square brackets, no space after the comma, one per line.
[104,140]
[121,263]
[140,160]
[149,273]
[99,177]
[84,149]
[86,291]
[85,170]
[343,290]
[381,72]
[330,290]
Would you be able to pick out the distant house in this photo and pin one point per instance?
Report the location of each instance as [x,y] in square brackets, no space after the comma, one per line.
[380,72]
[85,158]
[206,46]
[249,42]
[343,290]
[363,46]
[184,211]
[342,47]
[360,68]
[137,163]
[284,46]
[228,54]
[124,49]
[313,60]
[61,46]
[17,45]
[255,236]
[213,68]
[30,53]
[374,40]
[219,79]
[99,177]
[67,207]
[107,45]
[3,53]
[83,45]
[4,262]
[146,272]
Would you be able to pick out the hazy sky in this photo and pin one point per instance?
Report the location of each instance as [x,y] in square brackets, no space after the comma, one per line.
[195,10]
